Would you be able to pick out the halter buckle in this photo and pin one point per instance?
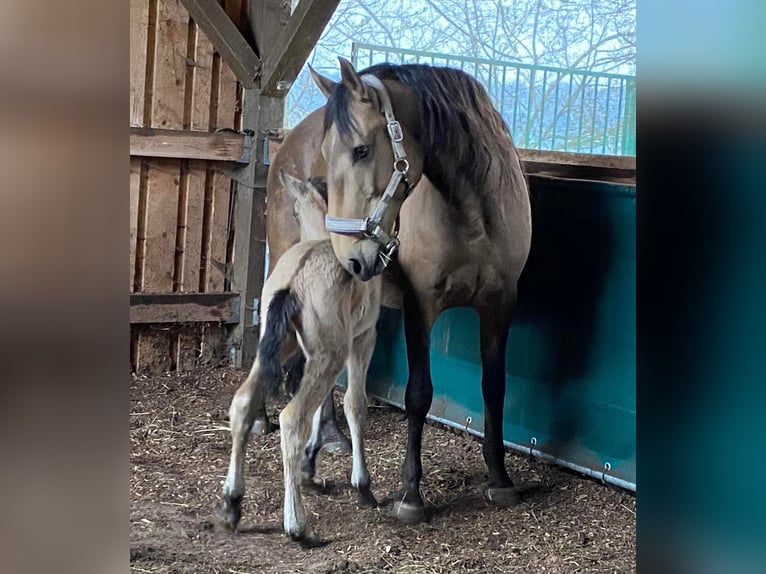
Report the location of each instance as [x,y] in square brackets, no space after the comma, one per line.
[395,131]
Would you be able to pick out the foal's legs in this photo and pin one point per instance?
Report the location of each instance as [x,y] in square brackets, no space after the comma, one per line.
[495,323]
[417,400]
[322,369]
[261,424]
[355,405]
[246,404]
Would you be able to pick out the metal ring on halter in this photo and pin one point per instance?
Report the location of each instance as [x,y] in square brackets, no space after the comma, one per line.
[406,167]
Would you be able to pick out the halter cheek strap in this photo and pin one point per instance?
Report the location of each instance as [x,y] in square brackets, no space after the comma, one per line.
[370,227]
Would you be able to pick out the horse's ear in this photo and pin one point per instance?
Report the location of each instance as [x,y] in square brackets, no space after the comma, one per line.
[317,187]
[351,79]
[325,84]
[293,185]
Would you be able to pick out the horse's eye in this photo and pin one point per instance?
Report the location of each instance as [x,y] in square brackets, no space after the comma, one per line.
[360,152]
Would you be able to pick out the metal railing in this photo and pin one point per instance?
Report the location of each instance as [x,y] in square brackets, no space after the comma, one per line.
[545,108]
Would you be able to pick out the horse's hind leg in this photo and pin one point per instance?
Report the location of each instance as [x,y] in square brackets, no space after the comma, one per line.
[322,368]
[248,399]
[355,405]
[495,323]
[288,350]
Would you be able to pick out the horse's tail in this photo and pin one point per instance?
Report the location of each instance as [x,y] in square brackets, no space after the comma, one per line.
[283,307]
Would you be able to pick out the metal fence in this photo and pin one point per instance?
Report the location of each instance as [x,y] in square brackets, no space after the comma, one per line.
[545,108]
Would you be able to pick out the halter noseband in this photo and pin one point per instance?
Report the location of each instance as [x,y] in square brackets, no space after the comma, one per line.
[370,227]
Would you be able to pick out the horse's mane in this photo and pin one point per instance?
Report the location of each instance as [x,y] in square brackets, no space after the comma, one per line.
[462,133]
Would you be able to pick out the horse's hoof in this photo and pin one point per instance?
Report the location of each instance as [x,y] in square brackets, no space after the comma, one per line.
[308,538]
[409,513]
[506,496]
[334,441]
[366,498]
[340,446]
[230,512]
[262,427]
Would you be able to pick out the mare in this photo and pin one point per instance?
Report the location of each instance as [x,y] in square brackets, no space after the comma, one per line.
[464,233]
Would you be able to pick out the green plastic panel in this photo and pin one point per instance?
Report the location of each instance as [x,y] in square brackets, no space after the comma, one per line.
[571,355]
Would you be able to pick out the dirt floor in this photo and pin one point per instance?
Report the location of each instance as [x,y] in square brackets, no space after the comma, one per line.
[179,454]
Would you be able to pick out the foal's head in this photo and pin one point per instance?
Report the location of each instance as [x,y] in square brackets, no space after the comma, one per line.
[310,205]
[359,154]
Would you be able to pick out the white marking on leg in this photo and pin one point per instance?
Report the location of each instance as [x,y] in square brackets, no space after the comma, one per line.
[294,515]
[316,425]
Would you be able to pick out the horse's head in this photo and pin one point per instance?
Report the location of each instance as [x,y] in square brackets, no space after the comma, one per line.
[372,164]
[310,205]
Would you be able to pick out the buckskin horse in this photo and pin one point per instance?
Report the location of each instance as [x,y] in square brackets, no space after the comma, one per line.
[461,237]
[332,316]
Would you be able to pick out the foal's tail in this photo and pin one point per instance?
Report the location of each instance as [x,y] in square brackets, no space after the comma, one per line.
[282,308]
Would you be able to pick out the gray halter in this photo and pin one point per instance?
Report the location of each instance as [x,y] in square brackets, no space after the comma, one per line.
[370,227]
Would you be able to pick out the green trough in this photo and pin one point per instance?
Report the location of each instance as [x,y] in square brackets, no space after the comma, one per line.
[571,355]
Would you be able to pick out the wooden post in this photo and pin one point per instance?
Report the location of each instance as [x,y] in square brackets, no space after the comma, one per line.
[260,114]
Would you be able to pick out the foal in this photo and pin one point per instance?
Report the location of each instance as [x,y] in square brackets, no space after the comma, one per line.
[334,317]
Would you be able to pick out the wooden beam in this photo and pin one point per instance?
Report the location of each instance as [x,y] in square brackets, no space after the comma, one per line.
[296,41]
[608,168]
[227,39]
[184,308]
[185,144]
[265,114]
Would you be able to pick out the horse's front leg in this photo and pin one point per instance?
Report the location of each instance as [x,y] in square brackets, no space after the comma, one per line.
[495,323]
[408,506]
[322,368]
[355,405]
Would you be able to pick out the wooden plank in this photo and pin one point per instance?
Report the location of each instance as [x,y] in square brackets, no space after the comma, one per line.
[160,225]
[202,81]
[219,215]
[170,65]
[195,205]
[228,90]
[227,39]
[135,186]
[177,143]
[218,268]
[286,58]
[608,168]
[139,29]
[184,307]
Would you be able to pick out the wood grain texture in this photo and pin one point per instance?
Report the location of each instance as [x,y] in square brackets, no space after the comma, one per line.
[135,187]
[202,82]
[139,29]
[184,307]
[195,205]
[228,40]
[187,144]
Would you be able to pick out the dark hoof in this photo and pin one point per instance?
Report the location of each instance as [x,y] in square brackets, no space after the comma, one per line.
[504,496]
[341,446]
[366,498]
[262,427]
[230,512]
[308,538]
[409,513]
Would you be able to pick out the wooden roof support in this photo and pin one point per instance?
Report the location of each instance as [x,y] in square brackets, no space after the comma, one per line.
[227,39]
[286,58]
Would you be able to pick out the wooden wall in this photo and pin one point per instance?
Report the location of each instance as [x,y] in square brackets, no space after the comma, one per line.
[181,234]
